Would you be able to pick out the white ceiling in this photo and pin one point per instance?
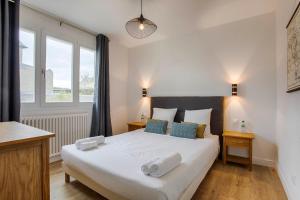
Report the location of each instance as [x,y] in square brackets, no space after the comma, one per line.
[173,17]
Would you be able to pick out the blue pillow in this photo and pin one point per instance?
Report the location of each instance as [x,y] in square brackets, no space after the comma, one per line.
[156,126]
[184,130]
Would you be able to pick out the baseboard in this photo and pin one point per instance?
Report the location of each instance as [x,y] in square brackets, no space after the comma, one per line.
[256,160]
[264,162]
[285,182]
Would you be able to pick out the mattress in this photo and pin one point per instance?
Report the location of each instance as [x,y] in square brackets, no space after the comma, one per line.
[116,164]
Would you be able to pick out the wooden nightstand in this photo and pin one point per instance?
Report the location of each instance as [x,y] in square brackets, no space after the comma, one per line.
[238,139]
[136,125]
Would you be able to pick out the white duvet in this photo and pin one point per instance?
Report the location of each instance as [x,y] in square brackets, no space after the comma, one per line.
[116,164]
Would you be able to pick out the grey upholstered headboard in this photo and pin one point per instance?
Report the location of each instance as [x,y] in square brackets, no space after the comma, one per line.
[195,103]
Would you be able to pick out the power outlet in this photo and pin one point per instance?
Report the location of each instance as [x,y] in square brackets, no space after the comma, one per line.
[294,180]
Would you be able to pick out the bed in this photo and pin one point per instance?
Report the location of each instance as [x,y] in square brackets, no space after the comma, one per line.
[113,169]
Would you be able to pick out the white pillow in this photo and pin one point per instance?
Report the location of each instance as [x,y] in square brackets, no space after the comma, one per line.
[165,114]
[199,117]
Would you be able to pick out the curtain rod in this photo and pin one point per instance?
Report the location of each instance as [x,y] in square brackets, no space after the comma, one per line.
[60,20]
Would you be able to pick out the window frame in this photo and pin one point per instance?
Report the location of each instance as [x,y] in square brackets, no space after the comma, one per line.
[43,69]
[37,61]
[35,64]
[40,67]
[89,49]
[73,42]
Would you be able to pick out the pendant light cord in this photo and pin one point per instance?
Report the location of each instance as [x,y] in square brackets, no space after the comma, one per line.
[141,6]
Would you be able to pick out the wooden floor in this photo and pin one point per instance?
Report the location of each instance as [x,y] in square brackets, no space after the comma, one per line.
[223,182]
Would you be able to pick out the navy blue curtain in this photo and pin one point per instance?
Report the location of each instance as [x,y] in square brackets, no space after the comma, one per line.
[101,122]
[9,61]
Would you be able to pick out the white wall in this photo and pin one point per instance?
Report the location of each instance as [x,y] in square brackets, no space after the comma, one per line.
[118,86]
[288,109]
[42,24]
[206,63]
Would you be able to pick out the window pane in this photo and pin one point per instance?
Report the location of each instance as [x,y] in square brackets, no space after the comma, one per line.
[27,66]
[59,62]
[87,75]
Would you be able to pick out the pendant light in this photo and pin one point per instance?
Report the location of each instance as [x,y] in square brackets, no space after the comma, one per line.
[140,27]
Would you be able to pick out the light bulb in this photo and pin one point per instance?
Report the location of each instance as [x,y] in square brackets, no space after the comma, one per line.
[141,26]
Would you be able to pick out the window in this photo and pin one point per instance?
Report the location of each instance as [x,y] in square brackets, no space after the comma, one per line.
[27,66]
[87,75]
[56,68]
[58,75]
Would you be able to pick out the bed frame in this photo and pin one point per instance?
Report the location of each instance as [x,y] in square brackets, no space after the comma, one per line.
[182,104]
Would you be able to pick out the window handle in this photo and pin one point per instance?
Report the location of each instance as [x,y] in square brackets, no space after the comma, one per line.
[43,73]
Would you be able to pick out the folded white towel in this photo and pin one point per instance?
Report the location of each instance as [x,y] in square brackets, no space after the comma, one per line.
[164,165]
[98,140]
[87,145]
[146,167]
[80,141]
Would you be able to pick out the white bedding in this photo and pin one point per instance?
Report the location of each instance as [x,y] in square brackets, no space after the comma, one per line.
[116,164]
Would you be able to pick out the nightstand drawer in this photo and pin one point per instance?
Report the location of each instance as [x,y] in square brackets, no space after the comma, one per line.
[237,141]
[136,125]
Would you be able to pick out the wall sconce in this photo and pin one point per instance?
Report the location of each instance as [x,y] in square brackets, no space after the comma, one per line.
[144,92]
[234,90]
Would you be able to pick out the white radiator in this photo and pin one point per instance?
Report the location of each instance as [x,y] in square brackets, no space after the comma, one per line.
[67,127]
